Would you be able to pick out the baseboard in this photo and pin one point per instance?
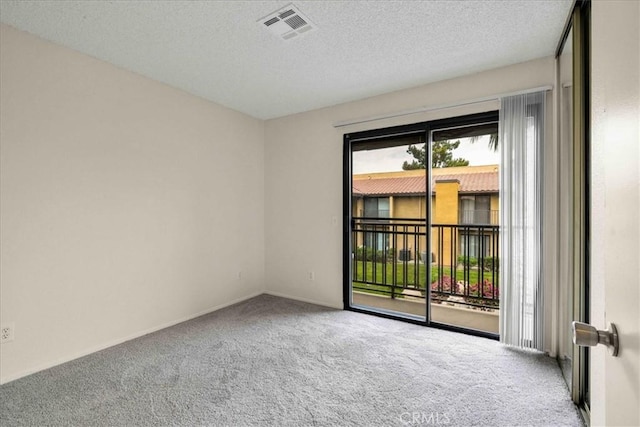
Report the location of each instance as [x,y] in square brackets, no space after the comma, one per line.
[9,378]
[338,306]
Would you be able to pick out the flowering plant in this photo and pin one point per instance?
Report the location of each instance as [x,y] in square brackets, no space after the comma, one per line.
[472,293]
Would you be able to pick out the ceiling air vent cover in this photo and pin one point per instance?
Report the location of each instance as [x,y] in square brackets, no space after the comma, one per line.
[287,23]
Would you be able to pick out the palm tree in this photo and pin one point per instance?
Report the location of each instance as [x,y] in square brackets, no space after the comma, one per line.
[493,140]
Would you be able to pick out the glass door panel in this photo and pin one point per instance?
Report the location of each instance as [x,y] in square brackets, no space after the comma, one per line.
[465,192]
[388,226]
[566,294]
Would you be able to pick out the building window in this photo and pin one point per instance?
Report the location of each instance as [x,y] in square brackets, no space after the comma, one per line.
[376,207]
[477,210]
[474,245]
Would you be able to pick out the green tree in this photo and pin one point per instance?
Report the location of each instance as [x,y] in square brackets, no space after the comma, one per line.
[441,156]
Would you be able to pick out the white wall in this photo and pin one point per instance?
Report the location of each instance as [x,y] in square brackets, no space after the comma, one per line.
[303,170]
[615,207]
[126,205]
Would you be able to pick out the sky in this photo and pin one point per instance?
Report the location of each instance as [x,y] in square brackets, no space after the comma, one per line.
[391,159]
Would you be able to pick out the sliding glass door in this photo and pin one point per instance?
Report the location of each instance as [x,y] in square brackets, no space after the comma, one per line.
[387,212]
[573,114]
[421,223]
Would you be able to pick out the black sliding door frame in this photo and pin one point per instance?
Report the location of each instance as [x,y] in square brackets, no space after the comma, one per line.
[371,138]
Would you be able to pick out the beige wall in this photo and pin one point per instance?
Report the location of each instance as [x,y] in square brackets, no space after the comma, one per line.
[126,205]
[615,203]
[303,210]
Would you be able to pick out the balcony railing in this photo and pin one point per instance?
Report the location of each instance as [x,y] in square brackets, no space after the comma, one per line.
[479,217]
[390,258]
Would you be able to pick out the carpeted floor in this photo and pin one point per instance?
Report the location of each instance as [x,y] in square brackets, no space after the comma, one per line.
[272,361]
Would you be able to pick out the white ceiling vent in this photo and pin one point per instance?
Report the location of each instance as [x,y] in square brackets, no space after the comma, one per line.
[287,23]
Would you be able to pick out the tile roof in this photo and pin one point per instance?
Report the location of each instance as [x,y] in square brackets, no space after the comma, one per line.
[480,182]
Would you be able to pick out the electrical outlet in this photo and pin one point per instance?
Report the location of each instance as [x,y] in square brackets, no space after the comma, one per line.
[312,275]
[239,275]
[7,332]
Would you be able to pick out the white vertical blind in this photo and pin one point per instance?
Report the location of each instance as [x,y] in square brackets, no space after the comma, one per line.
[521,135]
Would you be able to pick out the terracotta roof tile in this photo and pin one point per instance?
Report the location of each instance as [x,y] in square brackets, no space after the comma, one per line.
[480,182]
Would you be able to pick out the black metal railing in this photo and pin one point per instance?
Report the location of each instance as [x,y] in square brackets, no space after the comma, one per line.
[390,258]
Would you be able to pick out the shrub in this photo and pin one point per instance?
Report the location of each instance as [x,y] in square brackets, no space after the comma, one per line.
[491,262]
[487,262]
[467,261]
[368,254]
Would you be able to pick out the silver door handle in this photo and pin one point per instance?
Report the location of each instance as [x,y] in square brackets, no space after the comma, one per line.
[586,335]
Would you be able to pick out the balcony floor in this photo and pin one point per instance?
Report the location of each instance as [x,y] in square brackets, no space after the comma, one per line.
[486,321]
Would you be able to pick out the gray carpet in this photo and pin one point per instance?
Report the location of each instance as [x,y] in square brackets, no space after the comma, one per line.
[272,361]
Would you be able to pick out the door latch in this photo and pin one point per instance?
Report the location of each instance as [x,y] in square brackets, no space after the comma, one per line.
[586,335]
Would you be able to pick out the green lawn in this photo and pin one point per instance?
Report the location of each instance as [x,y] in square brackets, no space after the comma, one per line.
[406,274]
[377,289]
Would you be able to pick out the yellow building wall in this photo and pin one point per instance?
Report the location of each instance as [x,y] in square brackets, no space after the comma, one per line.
[447,201]
[410,207]
[495,207]
[357,209]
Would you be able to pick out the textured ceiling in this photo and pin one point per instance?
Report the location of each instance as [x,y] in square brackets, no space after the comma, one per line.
[218,51]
